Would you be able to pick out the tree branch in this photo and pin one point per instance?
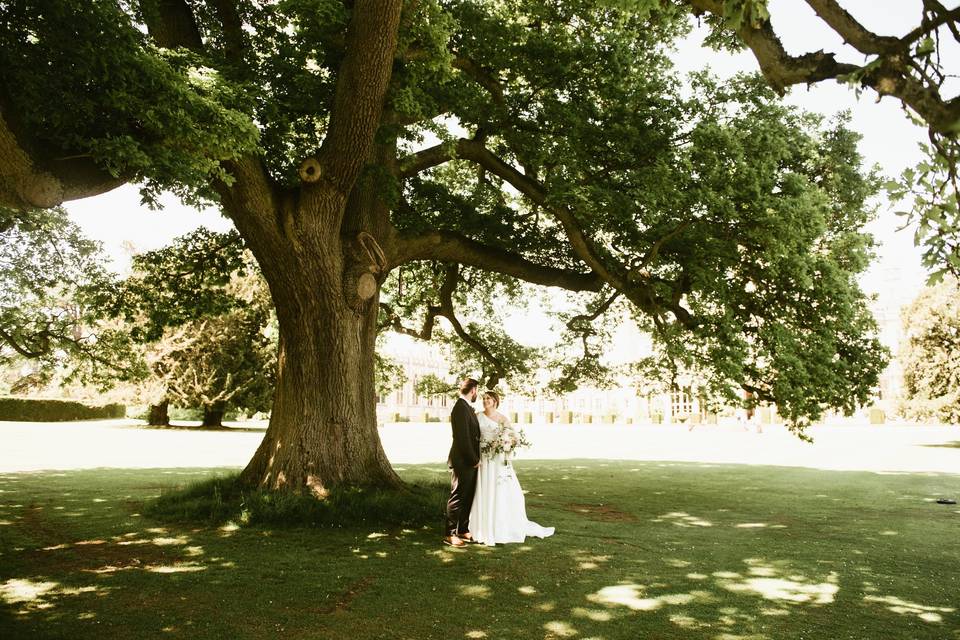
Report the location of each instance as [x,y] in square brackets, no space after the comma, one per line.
[447,246]
[574,323]
[233,36]
[424,159]
[651,255]
[582,245]
[33,178]
[851,30]
[24,351]
[483,77]
[634,285]
[779,68]
[447,311]
[395,322]
[944,17]
[361,86]
[171,24]
[888,75]
[251,200]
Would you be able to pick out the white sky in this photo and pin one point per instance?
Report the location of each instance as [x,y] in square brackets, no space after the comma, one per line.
[119,221]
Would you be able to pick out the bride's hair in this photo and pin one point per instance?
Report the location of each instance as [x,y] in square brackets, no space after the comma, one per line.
[494,395]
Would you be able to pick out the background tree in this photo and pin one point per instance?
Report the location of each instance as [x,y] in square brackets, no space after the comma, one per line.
[568,156]
[931,354]
[219,362]
[389,375]
[52,283]
[178,303]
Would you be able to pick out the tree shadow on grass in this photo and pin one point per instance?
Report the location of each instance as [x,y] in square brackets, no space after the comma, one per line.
[944,445]
[665,550]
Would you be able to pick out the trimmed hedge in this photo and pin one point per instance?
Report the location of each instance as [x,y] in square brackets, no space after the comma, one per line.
[44,410]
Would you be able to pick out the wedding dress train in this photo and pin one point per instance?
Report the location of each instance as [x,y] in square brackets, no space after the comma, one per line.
[499,512]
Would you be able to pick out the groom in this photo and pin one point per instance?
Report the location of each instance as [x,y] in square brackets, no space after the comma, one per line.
[463,461]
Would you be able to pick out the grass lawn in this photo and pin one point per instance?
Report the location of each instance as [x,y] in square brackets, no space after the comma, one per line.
[643,550]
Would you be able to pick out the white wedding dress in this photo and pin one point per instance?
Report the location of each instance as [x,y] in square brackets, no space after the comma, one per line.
[499,511]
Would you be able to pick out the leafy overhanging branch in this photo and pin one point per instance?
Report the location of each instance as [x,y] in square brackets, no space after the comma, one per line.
[449,246]
[495,368]
[635,285]
[587,364]
[889,74]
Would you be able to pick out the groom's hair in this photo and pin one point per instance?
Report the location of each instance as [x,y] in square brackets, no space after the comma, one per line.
[468,385]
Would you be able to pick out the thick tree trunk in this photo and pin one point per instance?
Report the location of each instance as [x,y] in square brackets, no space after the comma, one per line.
[158,415]
[213,415]
[323,426]
[319,255]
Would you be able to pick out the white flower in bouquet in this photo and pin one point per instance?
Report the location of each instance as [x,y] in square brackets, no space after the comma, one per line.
[506,440]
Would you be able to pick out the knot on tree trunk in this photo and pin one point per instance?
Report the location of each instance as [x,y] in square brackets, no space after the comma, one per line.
[368,265]
[310,170]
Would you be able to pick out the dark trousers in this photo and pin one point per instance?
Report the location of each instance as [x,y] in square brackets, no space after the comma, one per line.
[463,484]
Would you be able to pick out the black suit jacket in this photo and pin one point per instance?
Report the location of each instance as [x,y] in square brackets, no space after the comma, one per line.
[465,450]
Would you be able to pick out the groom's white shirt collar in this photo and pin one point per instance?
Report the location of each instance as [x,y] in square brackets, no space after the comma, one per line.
[465,399]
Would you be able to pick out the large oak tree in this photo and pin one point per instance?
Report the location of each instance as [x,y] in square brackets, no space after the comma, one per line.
[422,143]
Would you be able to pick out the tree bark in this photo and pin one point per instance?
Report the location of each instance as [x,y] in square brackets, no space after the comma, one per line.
[323,427]
[159,415]
[213,415]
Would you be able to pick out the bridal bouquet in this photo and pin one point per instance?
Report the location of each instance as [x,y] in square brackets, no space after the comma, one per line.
[505,440]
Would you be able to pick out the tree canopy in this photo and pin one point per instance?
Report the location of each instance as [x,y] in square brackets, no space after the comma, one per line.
[396,152]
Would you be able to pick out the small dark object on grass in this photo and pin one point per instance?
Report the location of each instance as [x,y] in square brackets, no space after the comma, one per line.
[946,501]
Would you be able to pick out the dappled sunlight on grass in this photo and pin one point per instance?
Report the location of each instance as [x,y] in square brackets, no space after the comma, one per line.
[27,596]
[19,591]
[445,555]
[475,591]
[898,605]
[632,596]
[185,567]
[681,519]
[166,542]
[767,581]
[228,529]
[590,561]
[597,615]
[560,629]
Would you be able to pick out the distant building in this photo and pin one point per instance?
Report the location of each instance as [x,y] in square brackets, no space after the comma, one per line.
[418,359]
[619,405]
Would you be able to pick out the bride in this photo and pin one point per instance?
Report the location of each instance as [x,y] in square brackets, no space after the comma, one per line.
[499,512]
